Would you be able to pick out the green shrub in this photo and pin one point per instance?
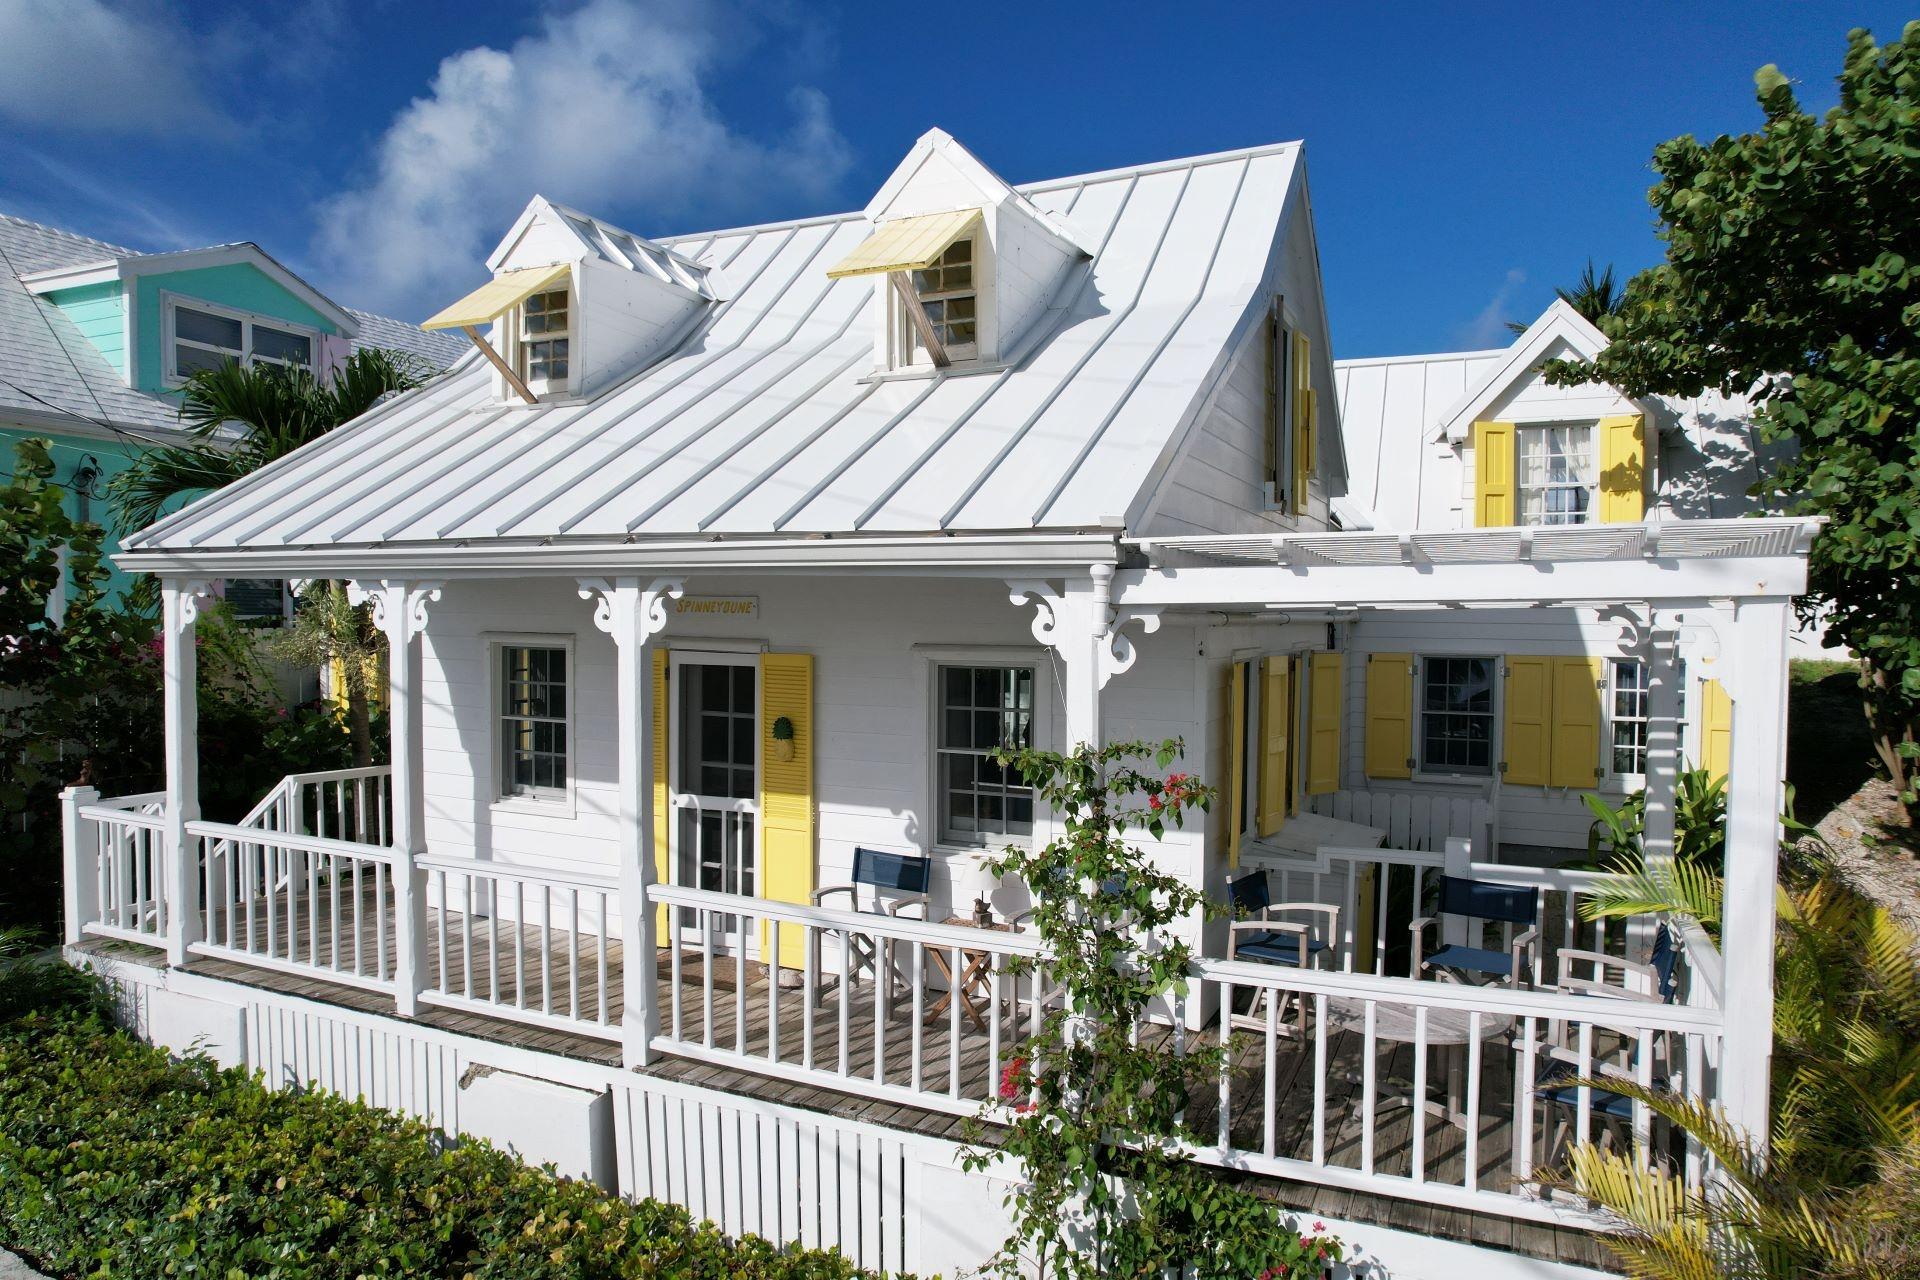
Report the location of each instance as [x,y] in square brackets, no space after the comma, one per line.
[116,1160]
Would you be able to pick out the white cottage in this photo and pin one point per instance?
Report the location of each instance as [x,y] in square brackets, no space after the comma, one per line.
[713,575]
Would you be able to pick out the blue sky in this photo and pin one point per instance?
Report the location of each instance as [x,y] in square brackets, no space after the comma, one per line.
[1464,158]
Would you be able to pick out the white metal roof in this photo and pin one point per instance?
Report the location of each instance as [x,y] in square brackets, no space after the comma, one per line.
[1387,410]
[763,424]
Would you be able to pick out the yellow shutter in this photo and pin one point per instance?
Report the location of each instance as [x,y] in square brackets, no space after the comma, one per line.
[1527,744]
[661,852]
[1389,747]
[1576,722]
[786,794]
[1492,473]
[1236,758]
[1303,419]
[1716,728]
[1324,706]
[1274,757]
[1623,469]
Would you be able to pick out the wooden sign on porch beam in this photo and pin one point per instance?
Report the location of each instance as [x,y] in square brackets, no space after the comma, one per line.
[493,358]
[917,313]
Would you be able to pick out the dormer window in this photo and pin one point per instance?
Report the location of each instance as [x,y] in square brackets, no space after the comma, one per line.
[947,296]
[545,333]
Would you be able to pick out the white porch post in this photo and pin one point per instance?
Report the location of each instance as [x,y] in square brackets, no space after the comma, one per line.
[400,612]
[179,606]
[1660,655]
[80,879]
[1756,681]
[633,616]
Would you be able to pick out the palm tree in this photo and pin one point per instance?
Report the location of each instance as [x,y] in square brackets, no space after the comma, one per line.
[1594,296]
[239,418]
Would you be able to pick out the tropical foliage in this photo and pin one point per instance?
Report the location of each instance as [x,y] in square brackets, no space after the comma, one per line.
[117,1161]
[1832,1194]
[239,418]
[1593,296]
[1792,275]
[1095,1119]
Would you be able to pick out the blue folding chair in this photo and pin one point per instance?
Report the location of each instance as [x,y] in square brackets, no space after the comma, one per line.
[897,883]
[1560,1065]
[1256,933]
[1483,903]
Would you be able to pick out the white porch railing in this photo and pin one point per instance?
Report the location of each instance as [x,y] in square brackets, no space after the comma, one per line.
[298,903]
[524,944]
[1354,1076]
[116,869]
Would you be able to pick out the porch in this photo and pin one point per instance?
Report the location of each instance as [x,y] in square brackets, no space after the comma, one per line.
[534,960]
[1429,1102]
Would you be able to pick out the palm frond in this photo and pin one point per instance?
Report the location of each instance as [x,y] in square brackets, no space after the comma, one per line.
[1634,888]
[157,477]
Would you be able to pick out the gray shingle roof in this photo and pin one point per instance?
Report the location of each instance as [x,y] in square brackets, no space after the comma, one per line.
[47,368]
[437,348]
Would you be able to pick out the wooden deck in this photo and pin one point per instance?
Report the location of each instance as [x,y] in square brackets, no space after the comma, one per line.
[480,956]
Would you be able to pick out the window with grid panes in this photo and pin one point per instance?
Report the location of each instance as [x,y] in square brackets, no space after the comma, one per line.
[1557,474]
[983,709]
[1456,715]
[533,720]
[204,340]
[1627,710]
[544,335]
[947,294]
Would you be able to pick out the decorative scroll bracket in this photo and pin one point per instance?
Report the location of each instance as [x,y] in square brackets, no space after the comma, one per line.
[613,596]
[412,597]
[1117,653]
[1048,608]
[194,594]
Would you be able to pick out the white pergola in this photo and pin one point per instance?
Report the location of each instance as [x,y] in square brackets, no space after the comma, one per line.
[1726,586]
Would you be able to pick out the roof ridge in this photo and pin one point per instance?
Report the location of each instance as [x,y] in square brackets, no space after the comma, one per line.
[1024,188]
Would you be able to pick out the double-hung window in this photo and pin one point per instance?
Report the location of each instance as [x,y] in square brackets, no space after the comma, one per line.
[545,339]
[1628,715]
[1557,474]
[949,295]
[1456,714]
[534,698]
[982,709]
[205,338]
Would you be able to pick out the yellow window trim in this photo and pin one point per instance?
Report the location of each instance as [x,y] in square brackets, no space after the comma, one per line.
[906,244]
[498,296]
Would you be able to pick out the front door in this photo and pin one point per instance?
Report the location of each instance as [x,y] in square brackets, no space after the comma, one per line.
[714,781]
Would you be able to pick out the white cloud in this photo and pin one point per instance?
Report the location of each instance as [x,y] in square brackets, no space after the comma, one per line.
[1488,327]
[605,107]
[88,65]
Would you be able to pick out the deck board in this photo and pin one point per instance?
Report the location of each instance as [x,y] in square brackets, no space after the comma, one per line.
[476,954]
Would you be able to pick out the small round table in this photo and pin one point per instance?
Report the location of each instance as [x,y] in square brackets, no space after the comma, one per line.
[1450,1029]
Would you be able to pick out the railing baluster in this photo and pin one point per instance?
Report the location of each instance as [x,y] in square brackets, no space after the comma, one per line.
[845,999]
[772,930]
[1473,1101]
[1419,1107]
[740,983]
[674,953]
[573,952]
[1368,1071]
[809,990]
[882,994]
[1583,1130]
[380,910]
[520,944]
[1272,1065]
[600,959]
[1320,1078]
[1523,1093]
[1380,922]
[953,1026]
[705,916]
[917,975]
[993,1025]
[1225,1092]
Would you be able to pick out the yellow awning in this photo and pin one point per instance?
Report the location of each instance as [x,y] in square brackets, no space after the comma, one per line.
[502,293]
[906,244]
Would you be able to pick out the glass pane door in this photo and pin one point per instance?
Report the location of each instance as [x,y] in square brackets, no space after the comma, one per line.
[715,782]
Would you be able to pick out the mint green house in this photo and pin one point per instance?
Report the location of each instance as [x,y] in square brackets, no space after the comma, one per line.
[95,340]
